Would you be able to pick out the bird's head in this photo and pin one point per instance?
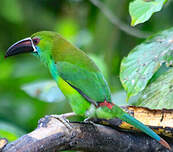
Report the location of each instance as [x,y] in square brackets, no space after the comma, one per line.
[40,44]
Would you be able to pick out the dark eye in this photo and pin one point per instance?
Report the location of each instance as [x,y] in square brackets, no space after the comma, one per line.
[36,40]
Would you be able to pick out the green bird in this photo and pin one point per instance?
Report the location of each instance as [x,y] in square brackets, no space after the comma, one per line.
[78,77]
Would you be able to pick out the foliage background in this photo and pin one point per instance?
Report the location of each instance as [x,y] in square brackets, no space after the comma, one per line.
[84,25]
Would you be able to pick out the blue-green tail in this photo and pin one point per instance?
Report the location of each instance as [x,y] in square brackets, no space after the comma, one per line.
[131,120]
[110,111]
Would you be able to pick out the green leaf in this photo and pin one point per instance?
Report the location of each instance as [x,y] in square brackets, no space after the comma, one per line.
[159,94]
[44,90]
[9,131]
[119,98]
[144,60]
[141,10]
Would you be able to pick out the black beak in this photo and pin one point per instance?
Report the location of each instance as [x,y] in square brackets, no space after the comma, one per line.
[23,46]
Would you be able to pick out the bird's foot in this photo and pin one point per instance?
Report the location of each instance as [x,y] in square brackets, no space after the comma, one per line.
[90,121]
[63,119]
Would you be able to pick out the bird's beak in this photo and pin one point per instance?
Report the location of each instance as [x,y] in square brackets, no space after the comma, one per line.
[22,46]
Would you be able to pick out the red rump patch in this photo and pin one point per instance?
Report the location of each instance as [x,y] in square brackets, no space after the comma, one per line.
[107,104]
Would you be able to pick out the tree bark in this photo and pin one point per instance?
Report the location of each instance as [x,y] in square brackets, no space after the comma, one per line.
[52,135]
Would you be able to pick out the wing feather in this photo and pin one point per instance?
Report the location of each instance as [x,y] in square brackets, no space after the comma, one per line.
[91,84]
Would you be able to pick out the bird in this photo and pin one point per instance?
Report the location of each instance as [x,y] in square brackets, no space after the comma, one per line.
[78,77]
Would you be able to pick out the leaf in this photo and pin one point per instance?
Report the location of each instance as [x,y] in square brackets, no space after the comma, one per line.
[119,98]
[44,90]
[9,131]
[141,10]
[144,60]
[158,94]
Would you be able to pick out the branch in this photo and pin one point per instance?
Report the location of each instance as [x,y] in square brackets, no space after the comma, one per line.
[52,135]
[116,21]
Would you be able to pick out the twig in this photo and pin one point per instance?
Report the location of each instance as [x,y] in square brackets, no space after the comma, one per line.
[52,135]
[116,21]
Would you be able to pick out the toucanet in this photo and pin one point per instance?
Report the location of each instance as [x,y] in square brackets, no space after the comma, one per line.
[78,77]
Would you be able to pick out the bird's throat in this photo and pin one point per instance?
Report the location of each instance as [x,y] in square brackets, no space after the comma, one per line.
[53,70]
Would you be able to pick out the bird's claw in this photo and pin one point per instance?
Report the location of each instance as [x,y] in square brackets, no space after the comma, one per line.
[89,120]
[63,119]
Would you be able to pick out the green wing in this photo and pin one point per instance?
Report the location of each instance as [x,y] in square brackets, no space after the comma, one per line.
[76,68]
[91,85]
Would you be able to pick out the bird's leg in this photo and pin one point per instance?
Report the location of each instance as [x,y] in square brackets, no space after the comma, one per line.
[63,119]
[66,115]
[90,120]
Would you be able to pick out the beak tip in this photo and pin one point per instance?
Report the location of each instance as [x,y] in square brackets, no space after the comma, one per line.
[6,55]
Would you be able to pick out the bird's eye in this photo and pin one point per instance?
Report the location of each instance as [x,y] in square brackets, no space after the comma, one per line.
[36,40]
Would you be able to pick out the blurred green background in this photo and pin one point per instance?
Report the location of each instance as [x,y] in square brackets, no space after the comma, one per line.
[26,92]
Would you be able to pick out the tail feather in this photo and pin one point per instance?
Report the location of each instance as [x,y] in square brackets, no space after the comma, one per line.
[109,110]
[131,120]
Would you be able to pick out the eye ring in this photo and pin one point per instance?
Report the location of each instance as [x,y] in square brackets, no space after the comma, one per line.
[36,40]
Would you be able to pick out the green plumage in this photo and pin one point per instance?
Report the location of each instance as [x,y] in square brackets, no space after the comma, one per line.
[76,68]
[78,78]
